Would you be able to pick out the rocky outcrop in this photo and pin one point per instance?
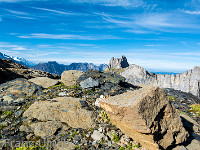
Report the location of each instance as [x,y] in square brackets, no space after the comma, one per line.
[19,88]
[57,113]
[103,83]
[69,77]
[117,63]
[147,116]
[10,70]
[45,82]
[189,81]
[55,68]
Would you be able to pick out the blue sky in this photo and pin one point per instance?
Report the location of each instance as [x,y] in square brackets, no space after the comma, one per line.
[159,35]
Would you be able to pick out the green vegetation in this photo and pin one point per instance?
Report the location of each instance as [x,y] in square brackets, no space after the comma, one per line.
[136,146]
[75,132]
[129,147]
[172,98]
[102,141]
[2,126]
[195,109]
[61,85]
[78,147]
[105,117]
[113,69]
[74,87]
[7,113]
[31,148]
[116,138]
[183,113]
[89,92]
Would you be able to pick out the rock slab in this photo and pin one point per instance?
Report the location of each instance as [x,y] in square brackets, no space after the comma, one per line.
[45,82]
[53,114]
[147,116]
[69,77]
[19,88]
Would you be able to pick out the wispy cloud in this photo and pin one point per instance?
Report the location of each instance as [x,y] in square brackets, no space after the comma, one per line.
[20,14]
[192,12]
[114,3]
[151,22]
[14,47]
[67,36]
[54,11]
[17,12]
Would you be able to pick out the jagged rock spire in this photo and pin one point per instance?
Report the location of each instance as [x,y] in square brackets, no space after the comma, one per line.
[118,63]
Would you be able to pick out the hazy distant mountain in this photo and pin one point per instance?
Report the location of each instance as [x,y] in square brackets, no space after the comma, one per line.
[55,68]
[16,59]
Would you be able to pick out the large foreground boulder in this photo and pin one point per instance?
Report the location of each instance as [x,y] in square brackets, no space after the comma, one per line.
[69,77]
[55,114]
[19,88]
[147,116]
[45,82]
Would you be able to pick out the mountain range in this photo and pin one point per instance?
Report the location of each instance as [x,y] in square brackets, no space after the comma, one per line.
[18,60]
[56,68]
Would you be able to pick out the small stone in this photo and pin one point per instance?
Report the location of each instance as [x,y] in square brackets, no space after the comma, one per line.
[109,143]
[8,99]
[89,83]
[101,129]
[28,137]
[62,94]
[97,136]
[18,113]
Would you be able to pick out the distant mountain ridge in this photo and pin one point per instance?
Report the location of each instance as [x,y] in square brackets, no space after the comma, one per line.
[56,68]
[16,59]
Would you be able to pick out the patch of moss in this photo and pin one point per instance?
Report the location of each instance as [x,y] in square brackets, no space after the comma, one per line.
[172,98]
[129,147]
[113,69]
[105,117]
[183,113]
[7,113]
[2,126]
[116,138]
[74,87]
[58,86]
[31,148]
[78,147]
[195,109]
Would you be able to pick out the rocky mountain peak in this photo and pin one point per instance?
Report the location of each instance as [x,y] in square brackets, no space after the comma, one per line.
[118,63]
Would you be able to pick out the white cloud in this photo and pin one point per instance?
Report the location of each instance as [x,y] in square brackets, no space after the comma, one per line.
[19,48]
[113,3]
[13,47]
[192,12]
[151,22]
[55,11]
[17,12]
[68,36]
